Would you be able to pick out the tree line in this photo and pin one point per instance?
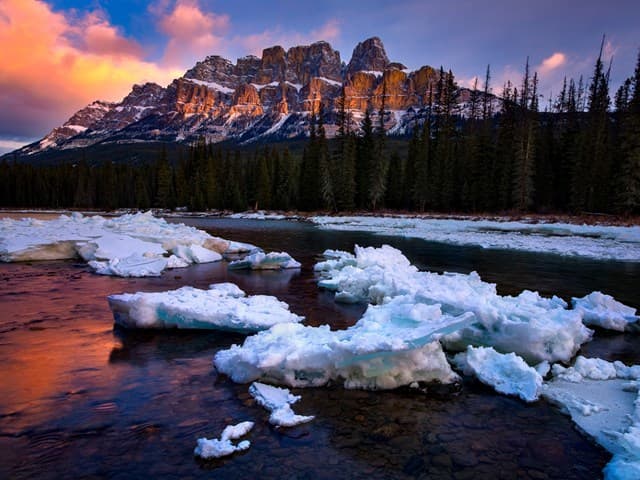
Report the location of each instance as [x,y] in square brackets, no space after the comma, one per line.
[577,155]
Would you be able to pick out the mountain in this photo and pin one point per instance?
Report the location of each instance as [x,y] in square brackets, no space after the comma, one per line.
[255,99]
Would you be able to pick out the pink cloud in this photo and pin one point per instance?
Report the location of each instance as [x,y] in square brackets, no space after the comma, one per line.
[555,61]
[255,43]
[190,29]
[54,63]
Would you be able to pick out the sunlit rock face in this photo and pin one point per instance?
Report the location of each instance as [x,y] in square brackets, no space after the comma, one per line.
[271,97]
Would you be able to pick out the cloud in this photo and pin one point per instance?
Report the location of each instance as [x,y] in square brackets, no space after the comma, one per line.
[190,29]
[552,63]
[254,44]
[11,145]
[54,63]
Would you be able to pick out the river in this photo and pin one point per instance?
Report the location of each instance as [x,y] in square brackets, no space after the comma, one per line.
[79,398]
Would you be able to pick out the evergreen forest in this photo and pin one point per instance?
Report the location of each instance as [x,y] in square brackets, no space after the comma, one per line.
[578,153]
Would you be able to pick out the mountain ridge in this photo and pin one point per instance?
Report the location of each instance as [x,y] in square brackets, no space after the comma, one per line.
[255,99]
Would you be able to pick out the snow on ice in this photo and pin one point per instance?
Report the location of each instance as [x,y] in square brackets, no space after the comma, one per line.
[278,401]
[265,261]
[602,399]
[507,373]
[216,448]
[594,241]
[600,310]
[399,339]
[131,245]
[534,327]
[223,307]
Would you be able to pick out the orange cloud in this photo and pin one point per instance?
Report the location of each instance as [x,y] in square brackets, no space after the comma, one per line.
[191,30]
[53,65]
[553,62]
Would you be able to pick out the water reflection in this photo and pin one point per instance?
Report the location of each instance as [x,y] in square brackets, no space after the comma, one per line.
[80,398]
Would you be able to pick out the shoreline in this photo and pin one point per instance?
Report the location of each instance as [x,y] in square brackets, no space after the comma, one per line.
[594,219]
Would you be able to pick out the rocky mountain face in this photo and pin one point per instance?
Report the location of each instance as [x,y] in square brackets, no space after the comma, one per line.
[264,98]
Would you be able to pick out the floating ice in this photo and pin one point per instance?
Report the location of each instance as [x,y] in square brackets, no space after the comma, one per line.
[507,373]
[224,307]
[602,399]
[600,310]
[391,345]
[222,447]
[129,245]
[134,265]
[533,327]
[278,401]
[265,261]
[595,241]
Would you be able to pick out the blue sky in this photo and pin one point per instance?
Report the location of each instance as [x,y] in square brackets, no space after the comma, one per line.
[97,49]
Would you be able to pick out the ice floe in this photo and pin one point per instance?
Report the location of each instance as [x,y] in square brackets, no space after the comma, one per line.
[506,373]
[278,401]
[265,261]
[595,241]
[391,346]
[602,399]
[130,245]
[216,448]
[534,327]
[223,307]
[600,310]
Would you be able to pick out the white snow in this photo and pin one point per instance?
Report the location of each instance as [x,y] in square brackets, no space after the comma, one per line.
[534,327]
[76,128]
[600,310]
[391,345]
[278,401]
[594,241]
[507,373]
[259,87]
[222,447]
[224,307]
[260,215]
[128,245]
[602,399]
[276,126]
[331,82]
[377,73]
[265,261]
[297,86]
[212,85]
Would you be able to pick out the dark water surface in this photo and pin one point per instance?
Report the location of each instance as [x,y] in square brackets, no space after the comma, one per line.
[79,399]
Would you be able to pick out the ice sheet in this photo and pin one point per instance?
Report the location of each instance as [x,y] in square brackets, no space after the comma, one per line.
[594,241]
[223,307]
[602,399]
[129,245]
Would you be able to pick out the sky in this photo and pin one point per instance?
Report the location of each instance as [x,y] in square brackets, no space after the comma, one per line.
[57,56]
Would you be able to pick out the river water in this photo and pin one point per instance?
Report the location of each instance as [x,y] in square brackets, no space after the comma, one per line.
[79,398]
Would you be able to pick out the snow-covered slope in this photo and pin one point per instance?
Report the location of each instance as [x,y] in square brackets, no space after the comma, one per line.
[263,98]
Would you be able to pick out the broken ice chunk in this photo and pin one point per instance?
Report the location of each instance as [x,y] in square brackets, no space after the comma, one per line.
[216,448]
[507,373]
[278,401]
[265,261]
[600,310]
[222,307]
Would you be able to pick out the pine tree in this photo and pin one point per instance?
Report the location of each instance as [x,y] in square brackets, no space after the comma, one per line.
[379,163]
[525,142]
[628,185]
